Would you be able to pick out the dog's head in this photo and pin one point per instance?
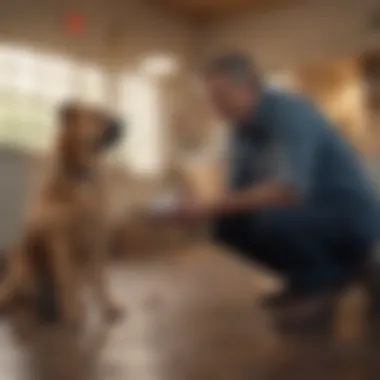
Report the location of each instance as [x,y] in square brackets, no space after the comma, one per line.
[90,127]
[86,132]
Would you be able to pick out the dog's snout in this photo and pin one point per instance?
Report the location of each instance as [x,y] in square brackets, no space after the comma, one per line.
[112,134]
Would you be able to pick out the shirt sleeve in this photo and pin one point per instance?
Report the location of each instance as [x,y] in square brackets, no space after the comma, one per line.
[299,128]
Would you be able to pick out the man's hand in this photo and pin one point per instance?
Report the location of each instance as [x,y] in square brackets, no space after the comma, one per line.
[187,211]
[262,195]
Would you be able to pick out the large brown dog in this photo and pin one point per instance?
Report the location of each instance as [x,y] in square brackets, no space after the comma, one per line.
[65,238]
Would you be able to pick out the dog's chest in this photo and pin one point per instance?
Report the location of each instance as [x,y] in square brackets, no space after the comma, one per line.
[85,239]
[87,224]
[88,198]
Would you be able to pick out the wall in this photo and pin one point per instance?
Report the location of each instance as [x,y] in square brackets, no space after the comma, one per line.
[285,39]
[336,87]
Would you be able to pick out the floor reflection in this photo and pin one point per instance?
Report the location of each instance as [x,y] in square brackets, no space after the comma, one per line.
[192,317]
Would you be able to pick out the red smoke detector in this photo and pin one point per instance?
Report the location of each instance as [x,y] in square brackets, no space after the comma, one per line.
[74,22]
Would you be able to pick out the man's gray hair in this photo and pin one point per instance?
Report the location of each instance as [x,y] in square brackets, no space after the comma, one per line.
[238,67]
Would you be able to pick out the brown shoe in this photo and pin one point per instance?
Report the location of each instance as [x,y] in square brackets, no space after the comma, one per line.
[311,313]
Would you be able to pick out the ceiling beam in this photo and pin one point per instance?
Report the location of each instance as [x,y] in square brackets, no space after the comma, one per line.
[211,9]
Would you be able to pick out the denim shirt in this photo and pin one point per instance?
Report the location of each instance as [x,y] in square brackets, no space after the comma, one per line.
[288,139]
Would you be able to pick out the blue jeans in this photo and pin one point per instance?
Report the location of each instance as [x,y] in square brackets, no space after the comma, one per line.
[313,249]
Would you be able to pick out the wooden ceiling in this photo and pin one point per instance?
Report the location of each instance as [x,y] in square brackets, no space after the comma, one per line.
[206,9]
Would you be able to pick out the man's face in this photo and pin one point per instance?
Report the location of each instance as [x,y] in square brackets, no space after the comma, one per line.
[232,101]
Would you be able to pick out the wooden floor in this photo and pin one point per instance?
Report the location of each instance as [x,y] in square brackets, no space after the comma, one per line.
[195,316]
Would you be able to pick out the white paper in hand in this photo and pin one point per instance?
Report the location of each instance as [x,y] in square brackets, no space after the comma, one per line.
[165,204]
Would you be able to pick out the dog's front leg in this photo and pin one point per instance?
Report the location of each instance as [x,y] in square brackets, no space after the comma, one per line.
[66,277]
[109,309]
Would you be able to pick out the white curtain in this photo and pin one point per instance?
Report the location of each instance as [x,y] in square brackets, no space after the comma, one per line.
[141,109]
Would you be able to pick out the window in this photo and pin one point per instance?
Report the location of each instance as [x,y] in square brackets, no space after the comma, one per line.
[31,85]
[90,84]
[54,76]
[140,107]
[283,80]
[160,65]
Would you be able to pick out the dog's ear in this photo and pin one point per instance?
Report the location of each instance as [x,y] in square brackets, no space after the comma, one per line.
[68,114]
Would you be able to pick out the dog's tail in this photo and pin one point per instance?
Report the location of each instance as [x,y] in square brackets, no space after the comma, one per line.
[45,294]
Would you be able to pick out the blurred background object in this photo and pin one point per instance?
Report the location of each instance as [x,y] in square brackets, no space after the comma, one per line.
[140,58]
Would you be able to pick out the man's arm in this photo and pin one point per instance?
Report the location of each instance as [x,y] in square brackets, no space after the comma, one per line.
[269,193]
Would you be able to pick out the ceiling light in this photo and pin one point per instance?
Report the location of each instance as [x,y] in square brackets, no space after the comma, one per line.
[283,80]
